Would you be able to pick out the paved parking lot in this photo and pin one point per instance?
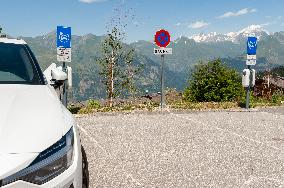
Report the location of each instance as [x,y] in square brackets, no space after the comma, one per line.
[200,149]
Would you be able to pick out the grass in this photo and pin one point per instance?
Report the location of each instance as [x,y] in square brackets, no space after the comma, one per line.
[181,105]
[121,108]
[175,102]
[203,105]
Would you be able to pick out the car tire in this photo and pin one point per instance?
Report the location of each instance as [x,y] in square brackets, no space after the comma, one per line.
[85,169]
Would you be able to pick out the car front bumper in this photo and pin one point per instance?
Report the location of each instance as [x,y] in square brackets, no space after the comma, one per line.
[72,176]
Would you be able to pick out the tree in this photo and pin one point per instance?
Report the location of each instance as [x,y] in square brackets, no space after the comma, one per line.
[116,65]
[129,74]
[214,82]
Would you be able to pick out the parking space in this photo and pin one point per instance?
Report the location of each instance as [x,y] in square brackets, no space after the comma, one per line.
[205,149]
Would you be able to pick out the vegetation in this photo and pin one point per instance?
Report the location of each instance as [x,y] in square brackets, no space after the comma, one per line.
[178,105]
[214,82]
[252,102]
[276,71]
[277,97]
[213,86]
[116,64]
[94,104]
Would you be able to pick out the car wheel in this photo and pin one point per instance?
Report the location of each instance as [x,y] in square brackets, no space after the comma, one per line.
[85,169]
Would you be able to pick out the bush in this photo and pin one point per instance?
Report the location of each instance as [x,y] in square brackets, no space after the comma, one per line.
[214,82]
[74,109]
[277,97]
[93,104]
[252,100]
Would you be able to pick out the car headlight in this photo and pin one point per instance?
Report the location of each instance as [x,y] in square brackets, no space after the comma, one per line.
[49,163]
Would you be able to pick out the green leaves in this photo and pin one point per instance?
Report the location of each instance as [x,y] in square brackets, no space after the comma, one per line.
[116,66]
[213,82]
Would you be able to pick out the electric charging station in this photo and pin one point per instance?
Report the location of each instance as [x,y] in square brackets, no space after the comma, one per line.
[245,77]
[248,77]
[64,55]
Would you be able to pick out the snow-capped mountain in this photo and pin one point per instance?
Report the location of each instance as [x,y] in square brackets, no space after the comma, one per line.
[235,37]
[210,37]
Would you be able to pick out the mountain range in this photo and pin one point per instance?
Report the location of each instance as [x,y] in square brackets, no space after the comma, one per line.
[187,51]
[235,37]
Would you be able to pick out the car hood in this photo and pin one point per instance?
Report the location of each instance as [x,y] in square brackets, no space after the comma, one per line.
[12,163]
[31,119]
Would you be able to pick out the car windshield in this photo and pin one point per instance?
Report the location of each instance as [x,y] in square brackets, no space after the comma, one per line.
[16,65]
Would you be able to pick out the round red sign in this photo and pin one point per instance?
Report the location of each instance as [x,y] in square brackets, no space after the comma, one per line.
[162,38]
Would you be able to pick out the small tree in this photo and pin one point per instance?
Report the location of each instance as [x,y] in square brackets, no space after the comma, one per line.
[129,72]
[116,65]
[214,82]
[108,63]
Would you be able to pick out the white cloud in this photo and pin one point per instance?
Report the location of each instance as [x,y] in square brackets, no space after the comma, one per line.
[270,23]
[266,24]
[91,1]
[181,24]
[238,13]
[198,25]
[253,10]
[178,24]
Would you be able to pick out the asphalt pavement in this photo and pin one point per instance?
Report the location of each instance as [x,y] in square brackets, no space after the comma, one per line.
[185,149]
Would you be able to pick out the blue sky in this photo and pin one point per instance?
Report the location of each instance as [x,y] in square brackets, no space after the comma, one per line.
[180,17]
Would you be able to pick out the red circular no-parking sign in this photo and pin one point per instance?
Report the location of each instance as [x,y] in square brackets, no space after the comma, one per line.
[162,38]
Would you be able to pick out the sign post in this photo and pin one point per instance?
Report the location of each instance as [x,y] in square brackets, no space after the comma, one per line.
[163,96]
[64,53]
[251,60]
[162,39]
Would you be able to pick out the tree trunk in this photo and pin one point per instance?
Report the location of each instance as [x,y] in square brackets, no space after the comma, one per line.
[111,83]
[268,81]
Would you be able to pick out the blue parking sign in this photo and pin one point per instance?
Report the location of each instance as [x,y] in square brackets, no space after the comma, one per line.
[251,45]
[63,37]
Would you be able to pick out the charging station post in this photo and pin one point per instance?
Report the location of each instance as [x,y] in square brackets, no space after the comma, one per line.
[64,54]
[248,78]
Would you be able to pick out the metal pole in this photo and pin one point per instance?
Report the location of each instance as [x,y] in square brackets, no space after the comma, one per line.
[65,102]
[163,103]
[248,89]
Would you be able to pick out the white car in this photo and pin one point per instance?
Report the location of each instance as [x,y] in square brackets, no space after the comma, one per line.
[39,139]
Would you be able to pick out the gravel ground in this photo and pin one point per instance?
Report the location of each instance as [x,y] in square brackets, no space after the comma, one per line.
[200,149]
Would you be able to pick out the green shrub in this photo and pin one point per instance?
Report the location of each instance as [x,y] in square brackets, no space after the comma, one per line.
[85,110]
[252,100]
[277,97]
[93,104]
[74,109]
[214,82]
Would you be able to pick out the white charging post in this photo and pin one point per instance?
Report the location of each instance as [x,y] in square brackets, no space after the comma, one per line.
[64,56]
[248,78]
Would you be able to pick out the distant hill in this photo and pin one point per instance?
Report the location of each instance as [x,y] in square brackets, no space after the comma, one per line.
[186,53]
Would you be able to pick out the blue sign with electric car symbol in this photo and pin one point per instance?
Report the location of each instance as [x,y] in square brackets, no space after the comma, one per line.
[63,37]
[251,45]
